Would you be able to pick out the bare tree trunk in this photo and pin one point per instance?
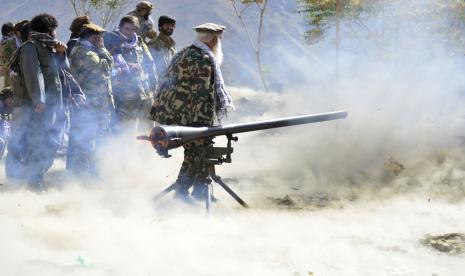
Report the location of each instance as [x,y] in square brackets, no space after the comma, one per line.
[255,46]
[105,11]
[338,33]
[259,44]
[109,15]
[74,5]
[383,19]
[81,7]
[244,25]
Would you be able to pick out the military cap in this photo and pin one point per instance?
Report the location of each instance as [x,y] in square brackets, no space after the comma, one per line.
[93,28]
[209,28]
[77,23]
[144,5]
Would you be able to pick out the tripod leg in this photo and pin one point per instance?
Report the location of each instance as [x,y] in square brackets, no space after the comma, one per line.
[164,192]
[218,180]
[208,200]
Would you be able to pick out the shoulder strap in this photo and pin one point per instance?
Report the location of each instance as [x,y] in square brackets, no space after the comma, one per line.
[15,62]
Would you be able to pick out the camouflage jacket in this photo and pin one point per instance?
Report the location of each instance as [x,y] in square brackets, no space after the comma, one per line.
[163,49]
[146,26]
[131,85]
[92,68]
[186,95]
[7,48]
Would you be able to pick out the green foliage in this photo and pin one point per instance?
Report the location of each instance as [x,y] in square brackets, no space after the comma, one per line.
[107,11]
[245,2]
[321,13]
[445,19]
[111,4]
[384,22]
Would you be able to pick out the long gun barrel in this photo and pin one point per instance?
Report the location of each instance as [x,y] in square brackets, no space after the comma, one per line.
[164,138]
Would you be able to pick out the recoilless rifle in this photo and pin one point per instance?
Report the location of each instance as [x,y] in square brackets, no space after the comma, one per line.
[165,138]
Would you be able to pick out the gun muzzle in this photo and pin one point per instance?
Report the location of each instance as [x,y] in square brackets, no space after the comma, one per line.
[158,139]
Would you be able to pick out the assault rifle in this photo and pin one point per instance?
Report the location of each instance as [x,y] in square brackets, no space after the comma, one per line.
[165,138]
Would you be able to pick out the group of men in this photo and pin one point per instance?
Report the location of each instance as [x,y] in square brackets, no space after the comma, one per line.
[100,83]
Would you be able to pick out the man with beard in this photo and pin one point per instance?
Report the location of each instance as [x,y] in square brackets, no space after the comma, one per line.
[146,27]
[41,60]
[91,64]
[193,93]
[134,76]
[163,48]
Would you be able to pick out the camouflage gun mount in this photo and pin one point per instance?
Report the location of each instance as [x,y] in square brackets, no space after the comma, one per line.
[165,138]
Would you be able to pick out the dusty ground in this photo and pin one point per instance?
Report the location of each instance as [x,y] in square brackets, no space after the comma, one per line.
[113,228]
[324,201]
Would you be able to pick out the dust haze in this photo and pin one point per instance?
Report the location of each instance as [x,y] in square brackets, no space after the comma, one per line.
[348,197]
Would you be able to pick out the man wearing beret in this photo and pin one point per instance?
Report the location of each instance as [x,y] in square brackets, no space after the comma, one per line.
[146,28]
[91,65]
[163,48]
[193,93]
[76,28]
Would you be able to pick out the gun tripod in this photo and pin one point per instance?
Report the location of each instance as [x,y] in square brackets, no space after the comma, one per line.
[213,156]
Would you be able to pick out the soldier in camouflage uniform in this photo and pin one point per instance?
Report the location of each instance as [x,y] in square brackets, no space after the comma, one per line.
[163,48]
[146,27]
[134,77]
[192,93]
[91,65]
[7,48]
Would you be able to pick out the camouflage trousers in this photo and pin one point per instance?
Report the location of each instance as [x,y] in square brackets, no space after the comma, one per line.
[195,171]
[2,82]
[127,112]
[5,79]
[89,130]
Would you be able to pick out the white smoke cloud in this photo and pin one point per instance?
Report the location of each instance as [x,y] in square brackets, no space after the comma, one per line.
[352,215]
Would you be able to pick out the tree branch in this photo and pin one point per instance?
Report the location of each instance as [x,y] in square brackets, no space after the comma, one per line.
[244,25]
